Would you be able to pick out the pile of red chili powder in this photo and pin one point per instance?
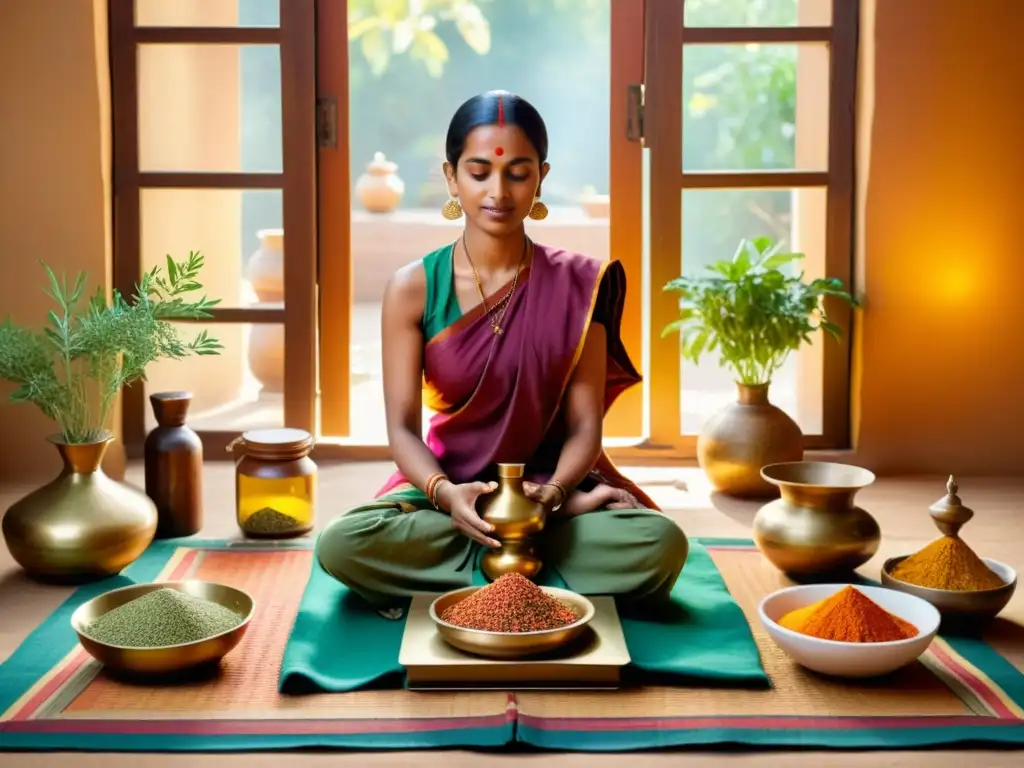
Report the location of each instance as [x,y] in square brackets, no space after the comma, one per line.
[511,603]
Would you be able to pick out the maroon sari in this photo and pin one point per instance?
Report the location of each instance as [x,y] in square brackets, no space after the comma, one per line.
[499,397]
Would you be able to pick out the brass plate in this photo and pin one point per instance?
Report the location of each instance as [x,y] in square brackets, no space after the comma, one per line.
[170,658]
[594,660]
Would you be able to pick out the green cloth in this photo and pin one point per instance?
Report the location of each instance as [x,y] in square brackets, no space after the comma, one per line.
[441,306]
[338,643]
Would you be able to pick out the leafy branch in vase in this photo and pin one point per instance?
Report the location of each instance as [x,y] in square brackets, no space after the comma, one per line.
[74,367]
[751,312]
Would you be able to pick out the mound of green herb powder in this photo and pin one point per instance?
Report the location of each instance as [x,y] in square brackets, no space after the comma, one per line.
[162,617]
[270,521]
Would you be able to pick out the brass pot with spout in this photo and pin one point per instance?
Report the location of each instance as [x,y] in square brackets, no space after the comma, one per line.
[516,519]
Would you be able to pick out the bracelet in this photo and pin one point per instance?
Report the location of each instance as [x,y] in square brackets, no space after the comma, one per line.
[437,490]
[433,483]
[563,494]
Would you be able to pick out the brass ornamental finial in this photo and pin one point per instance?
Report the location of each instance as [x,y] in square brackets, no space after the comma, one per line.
[949,513]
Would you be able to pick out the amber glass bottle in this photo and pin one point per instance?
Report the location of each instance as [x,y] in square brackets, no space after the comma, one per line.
[275,484]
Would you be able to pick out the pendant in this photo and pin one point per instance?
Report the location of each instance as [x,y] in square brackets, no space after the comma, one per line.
[496,328]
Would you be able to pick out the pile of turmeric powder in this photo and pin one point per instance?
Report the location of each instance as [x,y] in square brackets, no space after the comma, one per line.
[947,563]
[848,616]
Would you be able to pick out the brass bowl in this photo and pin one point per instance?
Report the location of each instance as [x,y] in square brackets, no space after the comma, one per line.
[980,604]
[168,658]
[511,645]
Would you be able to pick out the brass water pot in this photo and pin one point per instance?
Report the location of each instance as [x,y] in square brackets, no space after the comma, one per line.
[744,436]
[516,519]
[82,524]
[815,528]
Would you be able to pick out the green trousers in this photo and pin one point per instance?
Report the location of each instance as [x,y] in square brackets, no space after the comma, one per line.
[386,554]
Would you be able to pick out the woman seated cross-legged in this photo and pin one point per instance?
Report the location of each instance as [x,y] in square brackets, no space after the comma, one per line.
[516,347]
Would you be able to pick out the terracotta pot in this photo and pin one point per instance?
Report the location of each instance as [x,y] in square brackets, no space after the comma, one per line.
[737,441]
[266,355]
[380,190]
[596,206]
[266,267]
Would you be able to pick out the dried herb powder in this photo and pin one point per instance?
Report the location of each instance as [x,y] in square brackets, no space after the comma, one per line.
[511,603]
[270,521]
[947,563]
[162,617]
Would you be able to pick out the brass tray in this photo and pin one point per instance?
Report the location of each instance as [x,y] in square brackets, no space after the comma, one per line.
[594,660]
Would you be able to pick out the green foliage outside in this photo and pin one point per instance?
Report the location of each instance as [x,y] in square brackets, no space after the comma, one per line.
[413,62]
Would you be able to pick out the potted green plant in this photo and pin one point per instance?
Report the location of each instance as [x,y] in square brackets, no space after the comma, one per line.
[83,523]
[754,315]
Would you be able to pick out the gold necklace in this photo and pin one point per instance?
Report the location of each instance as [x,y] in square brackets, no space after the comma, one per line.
[501,306]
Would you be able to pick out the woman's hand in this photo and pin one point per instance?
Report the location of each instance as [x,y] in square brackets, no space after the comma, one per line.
[547,495]
[460,501]
[601,496]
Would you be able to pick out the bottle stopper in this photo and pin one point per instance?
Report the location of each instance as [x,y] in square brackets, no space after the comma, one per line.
[949,513]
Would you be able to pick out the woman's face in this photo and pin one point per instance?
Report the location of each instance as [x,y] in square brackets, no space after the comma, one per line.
[498,176]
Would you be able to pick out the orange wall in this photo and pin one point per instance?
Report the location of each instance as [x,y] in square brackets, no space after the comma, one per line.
[940,346]
[55,190]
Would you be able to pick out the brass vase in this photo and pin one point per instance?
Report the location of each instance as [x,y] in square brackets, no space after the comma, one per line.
[816,528]
[82,524]
[744,436]
[516,519]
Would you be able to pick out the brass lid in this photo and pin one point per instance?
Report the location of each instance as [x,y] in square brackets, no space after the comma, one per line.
[277,444]
[949,513]
[511,470]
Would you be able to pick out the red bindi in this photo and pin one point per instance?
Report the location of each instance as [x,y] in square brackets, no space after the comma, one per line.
[499,151]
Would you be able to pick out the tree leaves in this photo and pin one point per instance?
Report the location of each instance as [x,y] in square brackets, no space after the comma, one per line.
[386,27]
[754,314]
[472,26]
[431,50]
[74,368]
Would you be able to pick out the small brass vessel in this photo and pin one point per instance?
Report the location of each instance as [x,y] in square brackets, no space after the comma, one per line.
[949,515]
[744,436]
[815,528]
[516,519]
[83,524]
[511,645]
[170,658]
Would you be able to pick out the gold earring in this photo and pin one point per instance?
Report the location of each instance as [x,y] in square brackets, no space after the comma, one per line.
[539,212]
[452,210]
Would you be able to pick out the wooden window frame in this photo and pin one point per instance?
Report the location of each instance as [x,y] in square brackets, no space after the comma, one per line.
[625,420]
[295,37]
[665,37]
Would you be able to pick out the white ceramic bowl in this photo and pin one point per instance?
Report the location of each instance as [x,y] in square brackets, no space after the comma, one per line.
[830,657]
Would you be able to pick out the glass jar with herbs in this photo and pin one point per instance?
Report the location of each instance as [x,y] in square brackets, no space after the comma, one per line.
[275,483]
